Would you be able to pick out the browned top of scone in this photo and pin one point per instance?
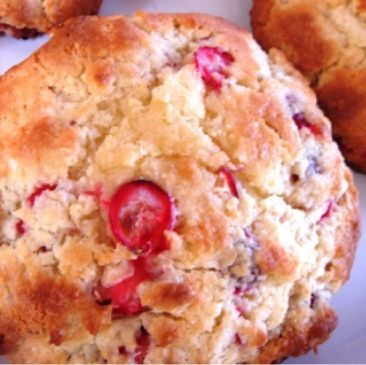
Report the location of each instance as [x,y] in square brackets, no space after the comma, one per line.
[325,40]
[266,216]
[42,15]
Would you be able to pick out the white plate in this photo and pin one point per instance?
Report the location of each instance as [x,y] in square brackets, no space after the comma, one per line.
[348,343]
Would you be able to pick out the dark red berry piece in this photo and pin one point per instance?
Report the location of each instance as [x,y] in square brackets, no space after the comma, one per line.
[139,213]
[237,291]
[143,341]
[20,227]
[239,341]
[301,122]
[230,180]
[328,211]
[122,350]
[123,296]
[212,64]
[39,191]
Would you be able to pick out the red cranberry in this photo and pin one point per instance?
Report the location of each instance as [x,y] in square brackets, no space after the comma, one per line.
[230,181]
[122,350]
[237,291]
[123,296]
[247,289]
[139,213]
[301,122]
[20,227]
[39,191]
[143,341]
[239,341]
[212,64]
[328,211]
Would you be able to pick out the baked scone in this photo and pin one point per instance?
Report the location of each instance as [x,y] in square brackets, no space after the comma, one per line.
[28,18]
[325,40]
[169,194]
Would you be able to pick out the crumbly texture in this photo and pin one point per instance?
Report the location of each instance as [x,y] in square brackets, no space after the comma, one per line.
[110,100]
[27,18]
[325,40]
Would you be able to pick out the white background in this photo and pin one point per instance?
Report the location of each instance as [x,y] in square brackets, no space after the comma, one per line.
[348,343]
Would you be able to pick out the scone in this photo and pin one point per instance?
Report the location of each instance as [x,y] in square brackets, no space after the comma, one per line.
[169,194]
[325,40]
[28,18]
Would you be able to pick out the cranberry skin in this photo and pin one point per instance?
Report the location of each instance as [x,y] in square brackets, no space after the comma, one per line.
[39,191]
[230,180]
[301,122]
[239,341]
[20,227]
[123,296]
[139,213]
[143,341]
[123,351]
[328,211]
[212,64]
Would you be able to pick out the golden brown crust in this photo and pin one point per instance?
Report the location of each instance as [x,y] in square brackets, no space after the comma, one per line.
[43,15]
[321,40]
[339,268]
[127,102]
[296,29]
[342,95]
[300,335]
[42,305]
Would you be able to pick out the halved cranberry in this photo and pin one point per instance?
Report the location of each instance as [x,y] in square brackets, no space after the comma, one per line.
[39,191]
[301,122]
[143,341]
[212,64]
[123,296]
[20,227]
[328,211]
[139,213]
[230,180]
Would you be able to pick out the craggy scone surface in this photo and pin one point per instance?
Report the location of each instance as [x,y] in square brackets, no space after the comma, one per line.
[326,40]
[24,18]
[266,213]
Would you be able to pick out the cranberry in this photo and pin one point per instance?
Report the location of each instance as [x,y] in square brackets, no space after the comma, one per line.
[230,180]
[238,291]
[122,350]
[212,64]
[328,211]
[247,289]
[39,191]
[239,341]
[143,341]
[301,122]
[123,296]
[20,227]
[139,213]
